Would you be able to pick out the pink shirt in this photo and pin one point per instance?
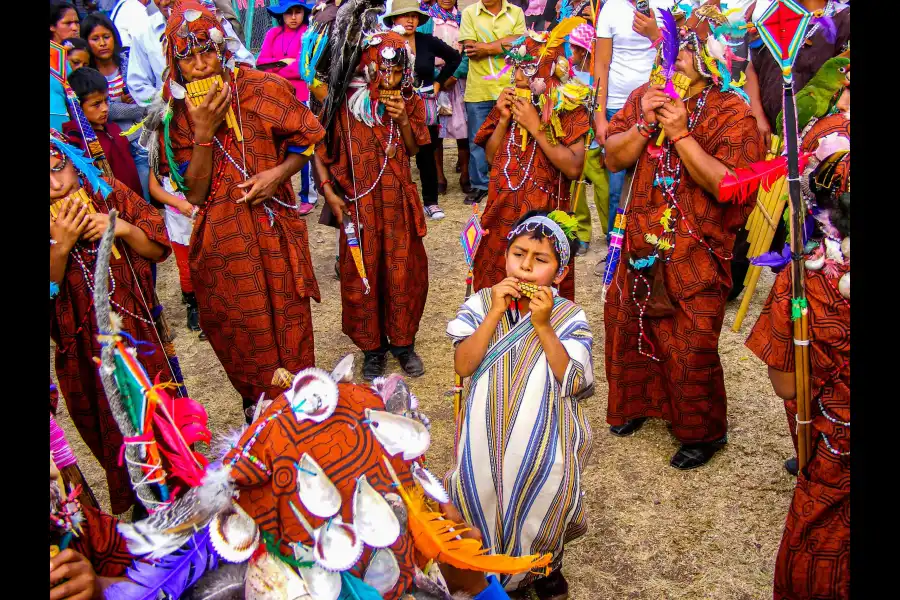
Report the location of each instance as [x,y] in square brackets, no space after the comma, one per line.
[281,43]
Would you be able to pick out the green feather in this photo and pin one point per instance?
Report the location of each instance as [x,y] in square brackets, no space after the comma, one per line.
[353,588]
[568,223]
[174,173]
[130,391]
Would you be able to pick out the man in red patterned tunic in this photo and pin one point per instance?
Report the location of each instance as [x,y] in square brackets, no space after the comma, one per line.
[74,237]
[666,304]
[535,153]
[249,253]
[372,192]
[814,556]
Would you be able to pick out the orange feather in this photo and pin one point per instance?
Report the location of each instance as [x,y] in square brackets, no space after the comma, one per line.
[437,538]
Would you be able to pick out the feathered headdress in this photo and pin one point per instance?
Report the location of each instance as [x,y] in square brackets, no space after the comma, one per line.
[83,164]
[354,20]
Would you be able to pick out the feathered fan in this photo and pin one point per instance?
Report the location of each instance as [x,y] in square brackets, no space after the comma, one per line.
[741,186]
[354,20]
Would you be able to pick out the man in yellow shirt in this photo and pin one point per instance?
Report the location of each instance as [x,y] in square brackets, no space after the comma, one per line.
[485,27]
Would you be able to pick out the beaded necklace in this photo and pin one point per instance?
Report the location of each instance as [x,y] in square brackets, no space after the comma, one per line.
[89,278]
[393,131]
[511,144]
[245,449]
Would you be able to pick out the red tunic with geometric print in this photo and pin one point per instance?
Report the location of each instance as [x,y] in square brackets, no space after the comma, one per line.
[683,383]
[814,556]
[390,225]
[250,266]
[73,327]
[544,188]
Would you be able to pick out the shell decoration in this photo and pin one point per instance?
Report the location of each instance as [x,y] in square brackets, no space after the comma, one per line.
[383,571]
[373,518]
[234,534]
[313,396]
[398,434]
[317,492]
[430,484]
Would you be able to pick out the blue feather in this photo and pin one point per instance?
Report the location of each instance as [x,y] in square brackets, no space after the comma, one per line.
[54,289]
[353,588]
[83,165]
[565,10]
[314,42]
[172,574]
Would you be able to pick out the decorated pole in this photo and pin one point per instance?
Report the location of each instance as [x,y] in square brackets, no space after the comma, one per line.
[782,28]
[595,83]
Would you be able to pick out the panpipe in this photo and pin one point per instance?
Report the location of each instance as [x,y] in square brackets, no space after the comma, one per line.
[529,290]
[679,80]
[523,93]
[79,195]
[197,90]
[389,93]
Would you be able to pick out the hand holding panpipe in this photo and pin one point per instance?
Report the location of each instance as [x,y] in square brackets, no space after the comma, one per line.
[526,94]
[681,83]
[197,91]
[528,289]
[79,195]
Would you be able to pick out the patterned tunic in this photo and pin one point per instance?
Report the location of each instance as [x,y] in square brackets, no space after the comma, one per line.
[73,327]
[343,447]
[545,189]
[390,226]
[100,543]
[253,278]
[686,385]
[814,557]
[529,428]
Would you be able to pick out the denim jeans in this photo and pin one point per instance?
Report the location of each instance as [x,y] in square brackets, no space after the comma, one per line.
[616,181]
[479,167]
[307,194]
[142,162]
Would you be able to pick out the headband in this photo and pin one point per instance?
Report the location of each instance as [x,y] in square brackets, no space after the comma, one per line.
[547,226]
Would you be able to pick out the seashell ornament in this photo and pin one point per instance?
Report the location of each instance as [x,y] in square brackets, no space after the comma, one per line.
[216,36]
[282,378]
[317,492]
[269,578]
[322,584]
[430,484]
[844,285]
[815,263]
[178,91]
[373,518]
[398,434]
[343,371]
[234,534]
[383,572]
[192,15]
[313,395]
[845,247]
[396,395]
[337,545]
[183,31]
[538,86]
[399,507]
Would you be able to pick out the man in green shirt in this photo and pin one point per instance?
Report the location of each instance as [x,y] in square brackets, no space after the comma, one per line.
[485,27]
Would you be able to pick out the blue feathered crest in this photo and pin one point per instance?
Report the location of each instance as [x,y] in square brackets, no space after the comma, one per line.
[83,165]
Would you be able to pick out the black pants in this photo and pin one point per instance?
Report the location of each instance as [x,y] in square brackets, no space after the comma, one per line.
[428,168]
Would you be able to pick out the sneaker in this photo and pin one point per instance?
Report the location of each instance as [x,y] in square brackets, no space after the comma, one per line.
[305,208]
[374,364]
[434,212]
[600,269]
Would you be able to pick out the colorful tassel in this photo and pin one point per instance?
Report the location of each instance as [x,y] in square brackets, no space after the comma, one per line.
[356,253]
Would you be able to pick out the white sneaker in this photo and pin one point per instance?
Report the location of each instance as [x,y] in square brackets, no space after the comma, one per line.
[434,212]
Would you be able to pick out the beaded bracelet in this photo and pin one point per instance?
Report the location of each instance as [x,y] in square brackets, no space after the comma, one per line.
[677,139]
[202,144]
[327,182]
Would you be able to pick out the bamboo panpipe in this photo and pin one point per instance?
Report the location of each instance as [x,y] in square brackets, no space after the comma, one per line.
[79,195]
[681,83]
[197,90]
[523,93]
[528,289]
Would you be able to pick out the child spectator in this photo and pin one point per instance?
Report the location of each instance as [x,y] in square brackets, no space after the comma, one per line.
[283,44]
[77,53]
[92,90]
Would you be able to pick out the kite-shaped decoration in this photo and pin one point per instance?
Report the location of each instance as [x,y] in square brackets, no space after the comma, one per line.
[781,28]
[470,237]
[57,61]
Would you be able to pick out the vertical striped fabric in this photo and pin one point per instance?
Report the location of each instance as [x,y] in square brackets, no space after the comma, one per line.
[528,428]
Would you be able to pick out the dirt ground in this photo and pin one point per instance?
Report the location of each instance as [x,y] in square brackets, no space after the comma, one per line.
[655,532]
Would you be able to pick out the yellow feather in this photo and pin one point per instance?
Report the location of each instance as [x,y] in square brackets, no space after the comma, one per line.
[559,33]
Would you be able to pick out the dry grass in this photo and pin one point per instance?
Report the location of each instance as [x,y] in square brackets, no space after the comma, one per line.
[655,533]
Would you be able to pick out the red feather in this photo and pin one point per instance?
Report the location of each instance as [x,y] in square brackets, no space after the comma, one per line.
[179,423]
[743,185]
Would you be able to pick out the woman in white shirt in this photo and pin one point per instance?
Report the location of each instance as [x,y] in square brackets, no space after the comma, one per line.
[623,62]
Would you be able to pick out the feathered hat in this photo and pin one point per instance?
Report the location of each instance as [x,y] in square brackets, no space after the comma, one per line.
[84,165]
[381,51]
[710,34]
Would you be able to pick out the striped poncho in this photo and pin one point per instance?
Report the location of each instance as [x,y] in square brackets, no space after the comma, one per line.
[522,438]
